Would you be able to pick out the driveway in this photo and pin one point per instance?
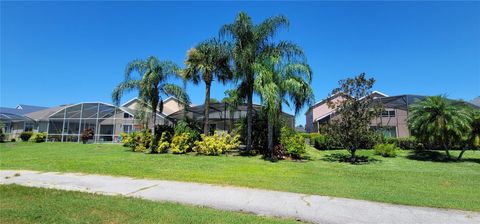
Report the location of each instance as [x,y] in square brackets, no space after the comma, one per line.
[310,208]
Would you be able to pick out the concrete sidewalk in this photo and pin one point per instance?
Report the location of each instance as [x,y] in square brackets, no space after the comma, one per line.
[311,208]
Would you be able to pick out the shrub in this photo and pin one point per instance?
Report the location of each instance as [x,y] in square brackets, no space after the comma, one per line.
[160,129]
[2,137]
[386,150]
[216,144]
[38,137]
[143,140]
[163,143]
[25,136]
[259,131]
[87,134]
[128,140]
[405,143]
[181,143]
[137,141]
[324,142]
[293,143]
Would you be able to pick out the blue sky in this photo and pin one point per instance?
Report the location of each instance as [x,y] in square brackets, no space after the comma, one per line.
[55,53]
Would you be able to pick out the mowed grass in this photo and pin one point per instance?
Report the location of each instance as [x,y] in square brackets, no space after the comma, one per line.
[20,204]
[397,180]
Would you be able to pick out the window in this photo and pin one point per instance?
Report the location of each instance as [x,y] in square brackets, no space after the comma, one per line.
[388,113]
[127,128]
[28,127]
[387,131]
[127,115]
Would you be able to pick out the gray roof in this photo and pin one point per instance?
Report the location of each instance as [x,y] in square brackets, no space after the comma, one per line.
[197,111]
[476,101]
[21,109]
[44,114]
[8,117]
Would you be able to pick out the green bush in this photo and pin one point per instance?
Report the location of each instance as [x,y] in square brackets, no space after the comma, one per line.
[25,136]
[386,150]
[324,142]
[216,144]
[293,143]
[259,131]
[181,143]
[405,142]
[2,137]
[38,137]
[167,129]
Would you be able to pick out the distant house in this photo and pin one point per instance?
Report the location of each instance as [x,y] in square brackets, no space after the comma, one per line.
[392,121]
[65,123]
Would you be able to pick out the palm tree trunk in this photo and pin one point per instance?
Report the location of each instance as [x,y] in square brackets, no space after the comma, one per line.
[446,150]
[270,137]
[461,154]
[249,119]
[206,110]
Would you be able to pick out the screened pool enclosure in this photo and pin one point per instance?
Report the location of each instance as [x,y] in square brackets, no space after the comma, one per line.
[106,121]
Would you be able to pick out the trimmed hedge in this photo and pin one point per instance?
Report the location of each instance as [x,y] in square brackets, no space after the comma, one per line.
[323,142]
[408,143]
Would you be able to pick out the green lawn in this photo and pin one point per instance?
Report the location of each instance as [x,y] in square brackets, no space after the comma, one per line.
[36,205]
[395,180]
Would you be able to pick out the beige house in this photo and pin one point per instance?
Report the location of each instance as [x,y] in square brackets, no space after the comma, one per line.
[392,121]
[65,123]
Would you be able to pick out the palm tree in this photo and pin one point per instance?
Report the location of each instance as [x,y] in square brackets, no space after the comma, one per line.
[437,120]
[207,61]
[232,101]
[250,43]
[151,85]
[278,83]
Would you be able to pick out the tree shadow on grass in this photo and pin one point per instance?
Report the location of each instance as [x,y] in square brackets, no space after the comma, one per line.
[436,156]
[345,158]
[427,155]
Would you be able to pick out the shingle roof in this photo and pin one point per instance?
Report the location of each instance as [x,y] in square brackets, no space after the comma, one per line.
[476,101]
[21,109]
[44,114]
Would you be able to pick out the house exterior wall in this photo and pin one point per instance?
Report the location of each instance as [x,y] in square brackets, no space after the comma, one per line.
[317,111]
[171,106]
[398,121]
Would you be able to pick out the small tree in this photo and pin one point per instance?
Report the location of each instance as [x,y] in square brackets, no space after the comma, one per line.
[437,121]
[355,110]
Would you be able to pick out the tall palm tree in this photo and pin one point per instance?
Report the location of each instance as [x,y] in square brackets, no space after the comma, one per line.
[437,120]
[250,43]
[208,61]
[281,83]
[152,84]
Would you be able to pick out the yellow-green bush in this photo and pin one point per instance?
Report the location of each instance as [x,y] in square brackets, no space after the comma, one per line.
[180,143]
[293,143]
[386,150]
[216,144]
[38,137]
[128,140]
[137,141]
[163,144]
